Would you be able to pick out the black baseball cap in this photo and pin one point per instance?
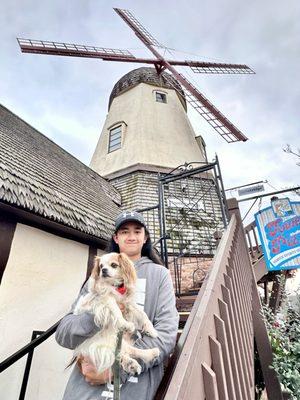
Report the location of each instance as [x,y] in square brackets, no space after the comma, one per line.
[129,216]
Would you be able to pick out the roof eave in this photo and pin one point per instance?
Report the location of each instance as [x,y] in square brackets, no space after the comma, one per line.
[45,224]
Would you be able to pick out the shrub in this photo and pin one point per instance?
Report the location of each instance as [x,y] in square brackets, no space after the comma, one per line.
[284,334]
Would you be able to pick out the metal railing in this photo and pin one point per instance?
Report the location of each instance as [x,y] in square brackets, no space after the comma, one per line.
[38,338]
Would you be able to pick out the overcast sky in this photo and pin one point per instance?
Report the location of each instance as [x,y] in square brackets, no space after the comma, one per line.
[66,98]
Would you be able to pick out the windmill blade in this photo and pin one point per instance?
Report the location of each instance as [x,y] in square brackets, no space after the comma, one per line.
[207,110]
[108,54]
[198,101]
[75,50]
[138,28]
[218,68]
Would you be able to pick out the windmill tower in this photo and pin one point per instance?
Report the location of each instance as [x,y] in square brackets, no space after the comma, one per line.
[146,125]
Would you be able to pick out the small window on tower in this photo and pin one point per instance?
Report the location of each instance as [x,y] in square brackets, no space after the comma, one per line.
[161,97]
[115,136]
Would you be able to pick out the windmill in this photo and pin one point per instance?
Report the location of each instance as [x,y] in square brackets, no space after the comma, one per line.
[197,100]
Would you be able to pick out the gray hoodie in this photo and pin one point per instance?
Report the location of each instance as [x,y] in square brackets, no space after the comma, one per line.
[161,310]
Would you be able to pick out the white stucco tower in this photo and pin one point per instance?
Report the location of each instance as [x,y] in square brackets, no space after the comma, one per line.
[146,124]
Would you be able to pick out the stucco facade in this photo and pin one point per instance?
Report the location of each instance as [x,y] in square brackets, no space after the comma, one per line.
[42,277]
[153,132]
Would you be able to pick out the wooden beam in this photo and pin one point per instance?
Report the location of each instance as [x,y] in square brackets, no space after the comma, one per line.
[34,220]
[91,259]
[260,269]
[277,288]
[7,231]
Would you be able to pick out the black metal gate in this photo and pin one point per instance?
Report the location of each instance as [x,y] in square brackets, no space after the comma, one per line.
[193,215]
[188,221]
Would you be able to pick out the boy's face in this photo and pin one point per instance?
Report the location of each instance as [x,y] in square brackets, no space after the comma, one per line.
[131,237]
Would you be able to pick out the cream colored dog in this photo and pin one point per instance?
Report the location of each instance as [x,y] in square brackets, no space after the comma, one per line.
[112,283]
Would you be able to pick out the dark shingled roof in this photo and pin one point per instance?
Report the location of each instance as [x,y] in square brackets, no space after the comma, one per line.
[146,75]
[37,175]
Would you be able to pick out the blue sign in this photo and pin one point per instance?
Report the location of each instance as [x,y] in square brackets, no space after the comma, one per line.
[279,231]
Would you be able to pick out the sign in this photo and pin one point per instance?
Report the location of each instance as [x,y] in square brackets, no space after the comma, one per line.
[251,190]
[279,231]
[282,207]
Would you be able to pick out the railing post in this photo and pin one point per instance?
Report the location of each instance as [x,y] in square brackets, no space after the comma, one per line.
[34,335]
[277,290]
[233,208]
[264,349]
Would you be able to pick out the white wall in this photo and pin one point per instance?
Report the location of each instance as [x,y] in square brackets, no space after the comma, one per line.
[155,133]
[42,278]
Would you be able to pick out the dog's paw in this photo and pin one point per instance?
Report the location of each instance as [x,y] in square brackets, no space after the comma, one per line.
[156,352]
[149,330]
[132,367]
[129,327]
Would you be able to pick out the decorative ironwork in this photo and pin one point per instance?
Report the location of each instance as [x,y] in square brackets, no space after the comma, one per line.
[151,217]
[184,167]
[192,210]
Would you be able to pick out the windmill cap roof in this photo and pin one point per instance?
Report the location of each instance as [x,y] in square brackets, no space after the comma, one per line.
[146,75]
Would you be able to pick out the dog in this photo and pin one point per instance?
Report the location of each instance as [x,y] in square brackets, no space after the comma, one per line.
[111,286]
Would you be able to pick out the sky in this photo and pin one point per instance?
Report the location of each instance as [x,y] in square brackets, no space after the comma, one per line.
[66,98]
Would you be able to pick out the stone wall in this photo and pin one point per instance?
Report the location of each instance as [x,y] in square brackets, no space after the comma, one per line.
[192,271]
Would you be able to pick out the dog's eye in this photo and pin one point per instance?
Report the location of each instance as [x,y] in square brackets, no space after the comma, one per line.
[101,266]
[114,265]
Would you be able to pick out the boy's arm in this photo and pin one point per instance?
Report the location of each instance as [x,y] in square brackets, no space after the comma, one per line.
[74,329]
[165,322]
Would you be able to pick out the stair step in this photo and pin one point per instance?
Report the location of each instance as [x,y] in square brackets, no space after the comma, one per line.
[183,316]
[195,289]
[185,303]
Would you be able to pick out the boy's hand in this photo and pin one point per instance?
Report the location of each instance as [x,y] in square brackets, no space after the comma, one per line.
[91,375]
[122,307]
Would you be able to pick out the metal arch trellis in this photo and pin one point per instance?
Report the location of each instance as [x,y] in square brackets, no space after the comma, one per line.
[191,210]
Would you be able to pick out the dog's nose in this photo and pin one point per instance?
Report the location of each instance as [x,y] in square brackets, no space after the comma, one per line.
[104,272]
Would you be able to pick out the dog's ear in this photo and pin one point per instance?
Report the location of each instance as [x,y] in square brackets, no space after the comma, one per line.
[96,268]
[128,269]
[95,274]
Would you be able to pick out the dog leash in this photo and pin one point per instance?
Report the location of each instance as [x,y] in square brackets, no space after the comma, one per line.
[117,365]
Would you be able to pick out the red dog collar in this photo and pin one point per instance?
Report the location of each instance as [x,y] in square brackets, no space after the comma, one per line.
[121,289]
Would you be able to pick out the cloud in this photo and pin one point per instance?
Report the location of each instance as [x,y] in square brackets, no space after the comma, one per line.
[66,98]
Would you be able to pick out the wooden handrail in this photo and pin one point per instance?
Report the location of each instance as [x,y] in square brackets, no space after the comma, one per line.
[255,249]
[216,349]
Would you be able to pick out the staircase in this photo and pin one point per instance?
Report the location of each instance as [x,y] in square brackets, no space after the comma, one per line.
[214,357]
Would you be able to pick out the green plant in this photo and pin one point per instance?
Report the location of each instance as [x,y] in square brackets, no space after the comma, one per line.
[284,334]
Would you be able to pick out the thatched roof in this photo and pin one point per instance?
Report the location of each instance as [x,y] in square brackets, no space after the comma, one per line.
[146,75]
[38,176]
